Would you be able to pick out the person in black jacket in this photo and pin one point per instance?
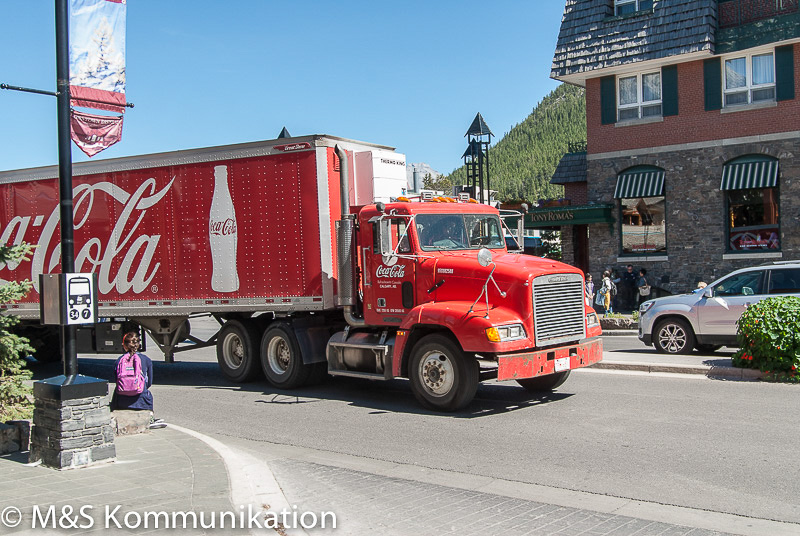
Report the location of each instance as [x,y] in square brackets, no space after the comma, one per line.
[628,289]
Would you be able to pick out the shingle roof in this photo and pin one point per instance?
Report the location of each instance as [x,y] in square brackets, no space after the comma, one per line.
[478,127]
[571,168]
[592,38]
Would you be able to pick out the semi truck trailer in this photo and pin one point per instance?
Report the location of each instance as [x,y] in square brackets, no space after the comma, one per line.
[312,259]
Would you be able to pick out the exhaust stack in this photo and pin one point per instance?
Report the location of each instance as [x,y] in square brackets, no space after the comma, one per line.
[344,244]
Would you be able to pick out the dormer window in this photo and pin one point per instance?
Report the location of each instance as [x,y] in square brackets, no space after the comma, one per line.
[625,7]
[639,96]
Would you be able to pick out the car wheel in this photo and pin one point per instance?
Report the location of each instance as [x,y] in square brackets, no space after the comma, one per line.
[674,336]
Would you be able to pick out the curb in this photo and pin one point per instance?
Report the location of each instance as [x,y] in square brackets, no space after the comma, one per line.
[716,372]
[620,333]
[251,480]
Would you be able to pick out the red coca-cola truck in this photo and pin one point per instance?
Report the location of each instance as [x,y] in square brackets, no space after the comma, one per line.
[313,263]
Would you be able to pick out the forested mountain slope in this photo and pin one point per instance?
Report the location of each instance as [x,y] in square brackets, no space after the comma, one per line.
[523,161]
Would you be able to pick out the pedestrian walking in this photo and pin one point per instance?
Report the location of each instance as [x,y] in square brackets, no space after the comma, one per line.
[607,290]
[644,287]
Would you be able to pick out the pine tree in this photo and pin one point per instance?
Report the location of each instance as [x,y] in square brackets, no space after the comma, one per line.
[15,401]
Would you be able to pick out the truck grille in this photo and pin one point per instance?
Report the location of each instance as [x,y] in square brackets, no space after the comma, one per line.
[558,309]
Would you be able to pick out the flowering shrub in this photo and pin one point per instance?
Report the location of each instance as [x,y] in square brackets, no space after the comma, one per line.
[769,338]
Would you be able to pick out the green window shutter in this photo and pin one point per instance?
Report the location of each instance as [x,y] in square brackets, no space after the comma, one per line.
[784,73]
[669,90]
[712,78]
[608,100]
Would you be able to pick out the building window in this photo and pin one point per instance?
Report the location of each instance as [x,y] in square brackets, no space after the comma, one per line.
[639,96]
[642,211]
[625,7]
[749,79]
[752,218]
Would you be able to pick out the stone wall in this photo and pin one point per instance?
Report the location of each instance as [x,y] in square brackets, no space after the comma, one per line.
[695,212]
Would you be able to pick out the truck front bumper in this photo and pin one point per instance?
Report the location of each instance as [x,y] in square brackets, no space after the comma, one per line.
[539,363]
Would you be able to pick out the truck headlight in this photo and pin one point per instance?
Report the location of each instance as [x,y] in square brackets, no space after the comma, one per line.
[592,321]
[643,308]
[512,332]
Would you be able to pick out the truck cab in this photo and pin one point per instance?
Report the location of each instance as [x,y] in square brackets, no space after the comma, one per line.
[444,304]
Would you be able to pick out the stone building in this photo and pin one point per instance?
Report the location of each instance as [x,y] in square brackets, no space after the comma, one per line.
[693,134]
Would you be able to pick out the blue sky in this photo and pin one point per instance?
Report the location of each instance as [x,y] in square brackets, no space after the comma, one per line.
[409,74]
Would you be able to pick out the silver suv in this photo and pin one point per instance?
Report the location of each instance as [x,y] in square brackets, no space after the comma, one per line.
[706,318]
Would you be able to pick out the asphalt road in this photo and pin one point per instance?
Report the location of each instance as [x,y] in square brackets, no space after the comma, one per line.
[722,446]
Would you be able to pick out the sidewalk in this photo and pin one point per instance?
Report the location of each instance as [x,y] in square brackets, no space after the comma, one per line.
[163,480]
[713,366]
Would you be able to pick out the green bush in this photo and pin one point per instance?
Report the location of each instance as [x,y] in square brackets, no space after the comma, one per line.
[15,394]
[769,338]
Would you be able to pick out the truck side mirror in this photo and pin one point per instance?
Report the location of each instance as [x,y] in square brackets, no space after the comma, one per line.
[385,236]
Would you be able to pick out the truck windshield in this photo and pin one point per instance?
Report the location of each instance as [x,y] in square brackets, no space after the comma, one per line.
[439,232]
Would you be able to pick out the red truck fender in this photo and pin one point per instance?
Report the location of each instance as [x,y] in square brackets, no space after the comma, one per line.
[469,329]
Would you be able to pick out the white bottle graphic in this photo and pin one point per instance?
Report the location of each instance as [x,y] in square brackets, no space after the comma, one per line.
[222,235]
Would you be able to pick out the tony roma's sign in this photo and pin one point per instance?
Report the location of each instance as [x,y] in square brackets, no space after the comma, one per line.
[569,215]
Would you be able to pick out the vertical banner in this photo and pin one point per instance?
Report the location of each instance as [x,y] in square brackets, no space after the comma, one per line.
[97,54]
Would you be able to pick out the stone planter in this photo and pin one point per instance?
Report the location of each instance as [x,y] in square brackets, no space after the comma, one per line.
[612,324]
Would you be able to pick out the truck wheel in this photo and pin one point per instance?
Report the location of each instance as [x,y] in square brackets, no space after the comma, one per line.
[674,336]
[281,359]
[442,377]
[544,383]
[237,351]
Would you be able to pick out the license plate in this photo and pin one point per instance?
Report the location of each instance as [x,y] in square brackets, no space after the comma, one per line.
[562,364]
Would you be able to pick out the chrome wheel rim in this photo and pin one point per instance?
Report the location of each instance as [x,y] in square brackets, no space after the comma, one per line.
[233,350]
[437,373]
[672,338]
[279,355]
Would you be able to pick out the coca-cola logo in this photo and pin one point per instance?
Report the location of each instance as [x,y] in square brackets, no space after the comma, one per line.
[99,254]
[391,272]
[222,228]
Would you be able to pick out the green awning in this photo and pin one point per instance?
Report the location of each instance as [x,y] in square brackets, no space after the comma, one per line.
[763,174]
[639,184]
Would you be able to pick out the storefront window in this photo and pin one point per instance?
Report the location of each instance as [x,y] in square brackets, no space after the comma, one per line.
[750,185]
[643,225]
[643,228]
[753,219]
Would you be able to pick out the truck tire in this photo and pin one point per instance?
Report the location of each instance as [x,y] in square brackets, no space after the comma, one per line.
[544,383]
[237,353]
[443,377]
[281,359]
[673,336]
